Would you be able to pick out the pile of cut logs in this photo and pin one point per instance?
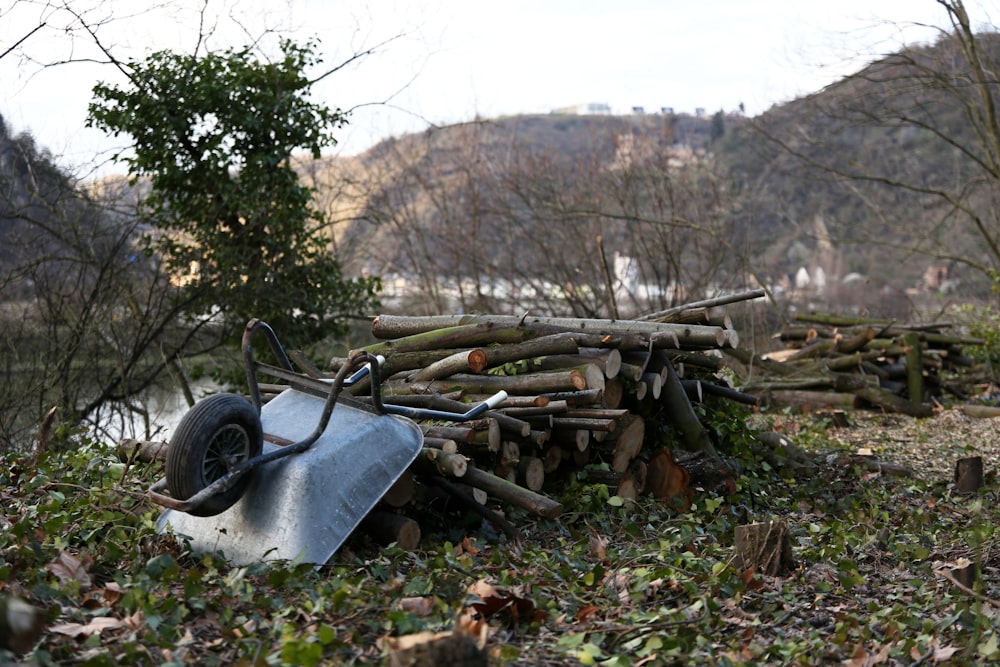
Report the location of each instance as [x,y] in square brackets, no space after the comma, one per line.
[579,393]
[597,394]
[833,362]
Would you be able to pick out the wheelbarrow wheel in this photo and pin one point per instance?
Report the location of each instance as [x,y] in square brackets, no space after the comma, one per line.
[219,432]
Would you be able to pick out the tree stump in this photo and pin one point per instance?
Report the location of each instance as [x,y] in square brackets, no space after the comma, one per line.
[969,474]
[766,546]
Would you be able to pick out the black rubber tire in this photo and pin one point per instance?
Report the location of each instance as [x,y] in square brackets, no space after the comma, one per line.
[219,427]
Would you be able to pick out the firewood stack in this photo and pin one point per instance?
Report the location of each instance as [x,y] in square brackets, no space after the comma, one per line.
[579,393]
[831,362]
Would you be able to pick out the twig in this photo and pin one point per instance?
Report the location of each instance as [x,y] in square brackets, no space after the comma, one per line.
[968,591]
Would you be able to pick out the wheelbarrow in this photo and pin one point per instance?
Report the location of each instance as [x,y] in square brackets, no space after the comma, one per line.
[289,479]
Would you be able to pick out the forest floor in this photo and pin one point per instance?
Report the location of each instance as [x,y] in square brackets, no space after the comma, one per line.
[879,564]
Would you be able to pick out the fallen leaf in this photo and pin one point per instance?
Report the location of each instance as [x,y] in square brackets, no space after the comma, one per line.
[750,580]
[584,613]
[859,658]
[491,602]
[944,653]
[95,627]
[598,545]
[67,567]
[419,606]
[469,546]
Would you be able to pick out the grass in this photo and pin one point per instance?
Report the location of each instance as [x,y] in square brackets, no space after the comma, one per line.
[609,583]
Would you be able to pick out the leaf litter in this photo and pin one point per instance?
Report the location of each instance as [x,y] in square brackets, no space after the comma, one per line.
[880,560]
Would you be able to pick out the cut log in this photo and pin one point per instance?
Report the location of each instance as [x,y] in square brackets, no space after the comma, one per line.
[444,444]
[914,370]
[695,436]
[531,473]
[438,461]
[459,362]
[401,492]
[894,403]
[578,439]
[766,547]
[668,481]
[580,397]
[551,407]
[668,314]
[389,527]
[856,342]
[981,411]
[809,400]
[460,434]
[653,383]
[531,383]
[143,451]
[614,390]
[590,424]
[551,458]
[388,326]
[467,336]
[628,437]
[518,496]
[629,484]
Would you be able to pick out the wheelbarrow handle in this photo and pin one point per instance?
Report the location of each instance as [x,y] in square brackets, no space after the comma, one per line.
[496,399]
[362,372]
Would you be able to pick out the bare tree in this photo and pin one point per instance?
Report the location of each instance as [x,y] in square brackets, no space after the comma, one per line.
[935,193]
[486,217]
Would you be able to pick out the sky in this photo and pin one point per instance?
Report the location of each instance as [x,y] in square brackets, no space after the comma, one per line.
[437,62]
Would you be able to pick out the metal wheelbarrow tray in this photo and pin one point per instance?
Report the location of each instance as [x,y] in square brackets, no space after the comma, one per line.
[292,478]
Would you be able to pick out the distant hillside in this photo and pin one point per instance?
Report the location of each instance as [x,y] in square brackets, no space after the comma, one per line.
[904,119]
[522,199]
[586,214]
[528,196]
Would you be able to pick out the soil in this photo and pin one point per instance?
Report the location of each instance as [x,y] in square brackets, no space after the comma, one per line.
[929,447]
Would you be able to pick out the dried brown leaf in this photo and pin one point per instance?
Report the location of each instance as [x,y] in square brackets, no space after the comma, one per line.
[67,567]
[95,627]
[420,606]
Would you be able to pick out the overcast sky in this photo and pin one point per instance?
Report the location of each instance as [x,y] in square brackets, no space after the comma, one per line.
[445,61]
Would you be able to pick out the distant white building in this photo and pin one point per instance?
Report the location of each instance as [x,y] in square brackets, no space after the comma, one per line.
[589,109]
[802,278]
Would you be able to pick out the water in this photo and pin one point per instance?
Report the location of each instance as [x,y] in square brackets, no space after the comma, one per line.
[165,409]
